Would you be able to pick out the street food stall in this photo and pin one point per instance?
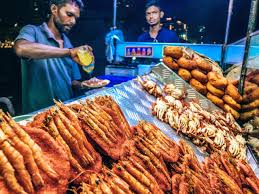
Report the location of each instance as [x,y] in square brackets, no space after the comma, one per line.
[173,129]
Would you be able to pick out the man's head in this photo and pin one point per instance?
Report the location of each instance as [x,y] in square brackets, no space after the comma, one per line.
[65,13]
[153,13]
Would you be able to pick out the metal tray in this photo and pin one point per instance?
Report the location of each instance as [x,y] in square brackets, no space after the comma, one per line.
[136,105]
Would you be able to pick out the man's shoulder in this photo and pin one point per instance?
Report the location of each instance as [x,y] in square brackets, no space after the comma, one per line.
[30,26]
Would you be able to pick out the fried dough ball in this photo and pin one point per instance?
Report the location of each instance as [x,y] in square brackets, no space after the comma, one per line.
[198,86]
[185,74]
[216,100]
[203,64]
[169,62]
[187,63]
[231,102]
[217,80]
[249,87]
[198,75]
[232,91]
[252,96]
[249,115]
[251,105]
[173,51]
[215,91]
[234,113]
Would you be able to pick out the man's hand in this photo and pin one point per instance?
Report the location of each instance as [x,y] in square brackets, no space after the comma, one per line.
[74,51]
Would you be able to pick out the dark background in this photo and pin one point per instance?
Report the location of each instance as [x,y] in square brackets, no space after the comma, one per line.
[95,23]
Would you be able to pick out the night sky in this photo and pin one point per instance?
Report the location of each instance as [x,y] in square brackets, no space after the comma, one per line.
[211,14]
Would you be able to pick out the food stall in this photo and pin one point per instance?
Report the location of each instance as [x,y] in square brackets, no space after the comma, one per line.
[129,106]
[153,134]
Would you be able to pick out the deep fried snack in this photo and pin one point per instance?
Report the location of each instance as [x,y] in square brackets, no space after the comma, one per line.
[198,86]
[252,96]
[251,105]
[185,74]
[215,91]
[249,87]
[249,115]
[234,113]
[231,102]
[216,100]
[187,63]
[217,80]
[173,51]
[55,156]
[204,65]
[169,62]
[198,75]
[232,91]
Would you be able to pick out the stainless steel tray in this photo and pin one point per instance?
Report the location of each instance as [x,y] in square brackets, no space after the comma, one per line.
[165,75]
[136,105]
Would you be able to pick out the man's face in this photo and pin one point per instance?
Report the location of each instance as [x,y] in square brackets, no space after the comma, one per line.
[65,17]
[153,15]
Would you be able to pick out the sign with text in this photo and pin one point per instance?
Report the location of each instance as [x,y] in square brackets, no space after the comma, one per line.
[138,51]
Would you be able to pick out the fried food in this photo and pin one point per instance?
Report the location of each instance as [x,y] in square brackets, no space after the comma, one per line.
[198,86]
[8,173]
[252,96]
[251,105]
[36,150]
[187,63]
[232,91]
[150,86]
[234,113]
[250,114]
[216,100]
[185,74]
[173,51]
[198,75]
[215,91]
[231,102]
[204,65]
[249,87]
[169,62]
[55,156]
[217,80]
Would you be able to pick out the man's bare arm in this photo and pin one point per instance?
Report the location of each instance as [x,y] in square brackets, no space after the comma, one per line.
[27,49]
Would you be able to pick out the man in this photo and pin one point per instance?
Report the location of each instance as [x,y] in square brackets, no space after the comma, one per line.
[156,33]
[48,59]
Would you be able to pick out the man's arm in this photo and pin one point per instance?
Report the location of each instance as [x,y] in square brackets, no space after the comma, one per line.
[32,50]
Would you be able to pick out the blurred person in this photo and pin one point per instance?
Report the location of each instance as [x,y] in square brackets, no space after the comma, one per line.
[49,61]
[156,32]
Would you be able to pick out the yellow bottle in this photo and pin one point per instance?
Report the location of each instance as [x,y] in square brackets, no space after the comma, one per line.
[85,57]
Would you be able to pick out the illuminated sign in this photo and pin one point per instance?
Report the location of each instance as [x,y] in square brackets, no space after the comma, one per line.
[139,51]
